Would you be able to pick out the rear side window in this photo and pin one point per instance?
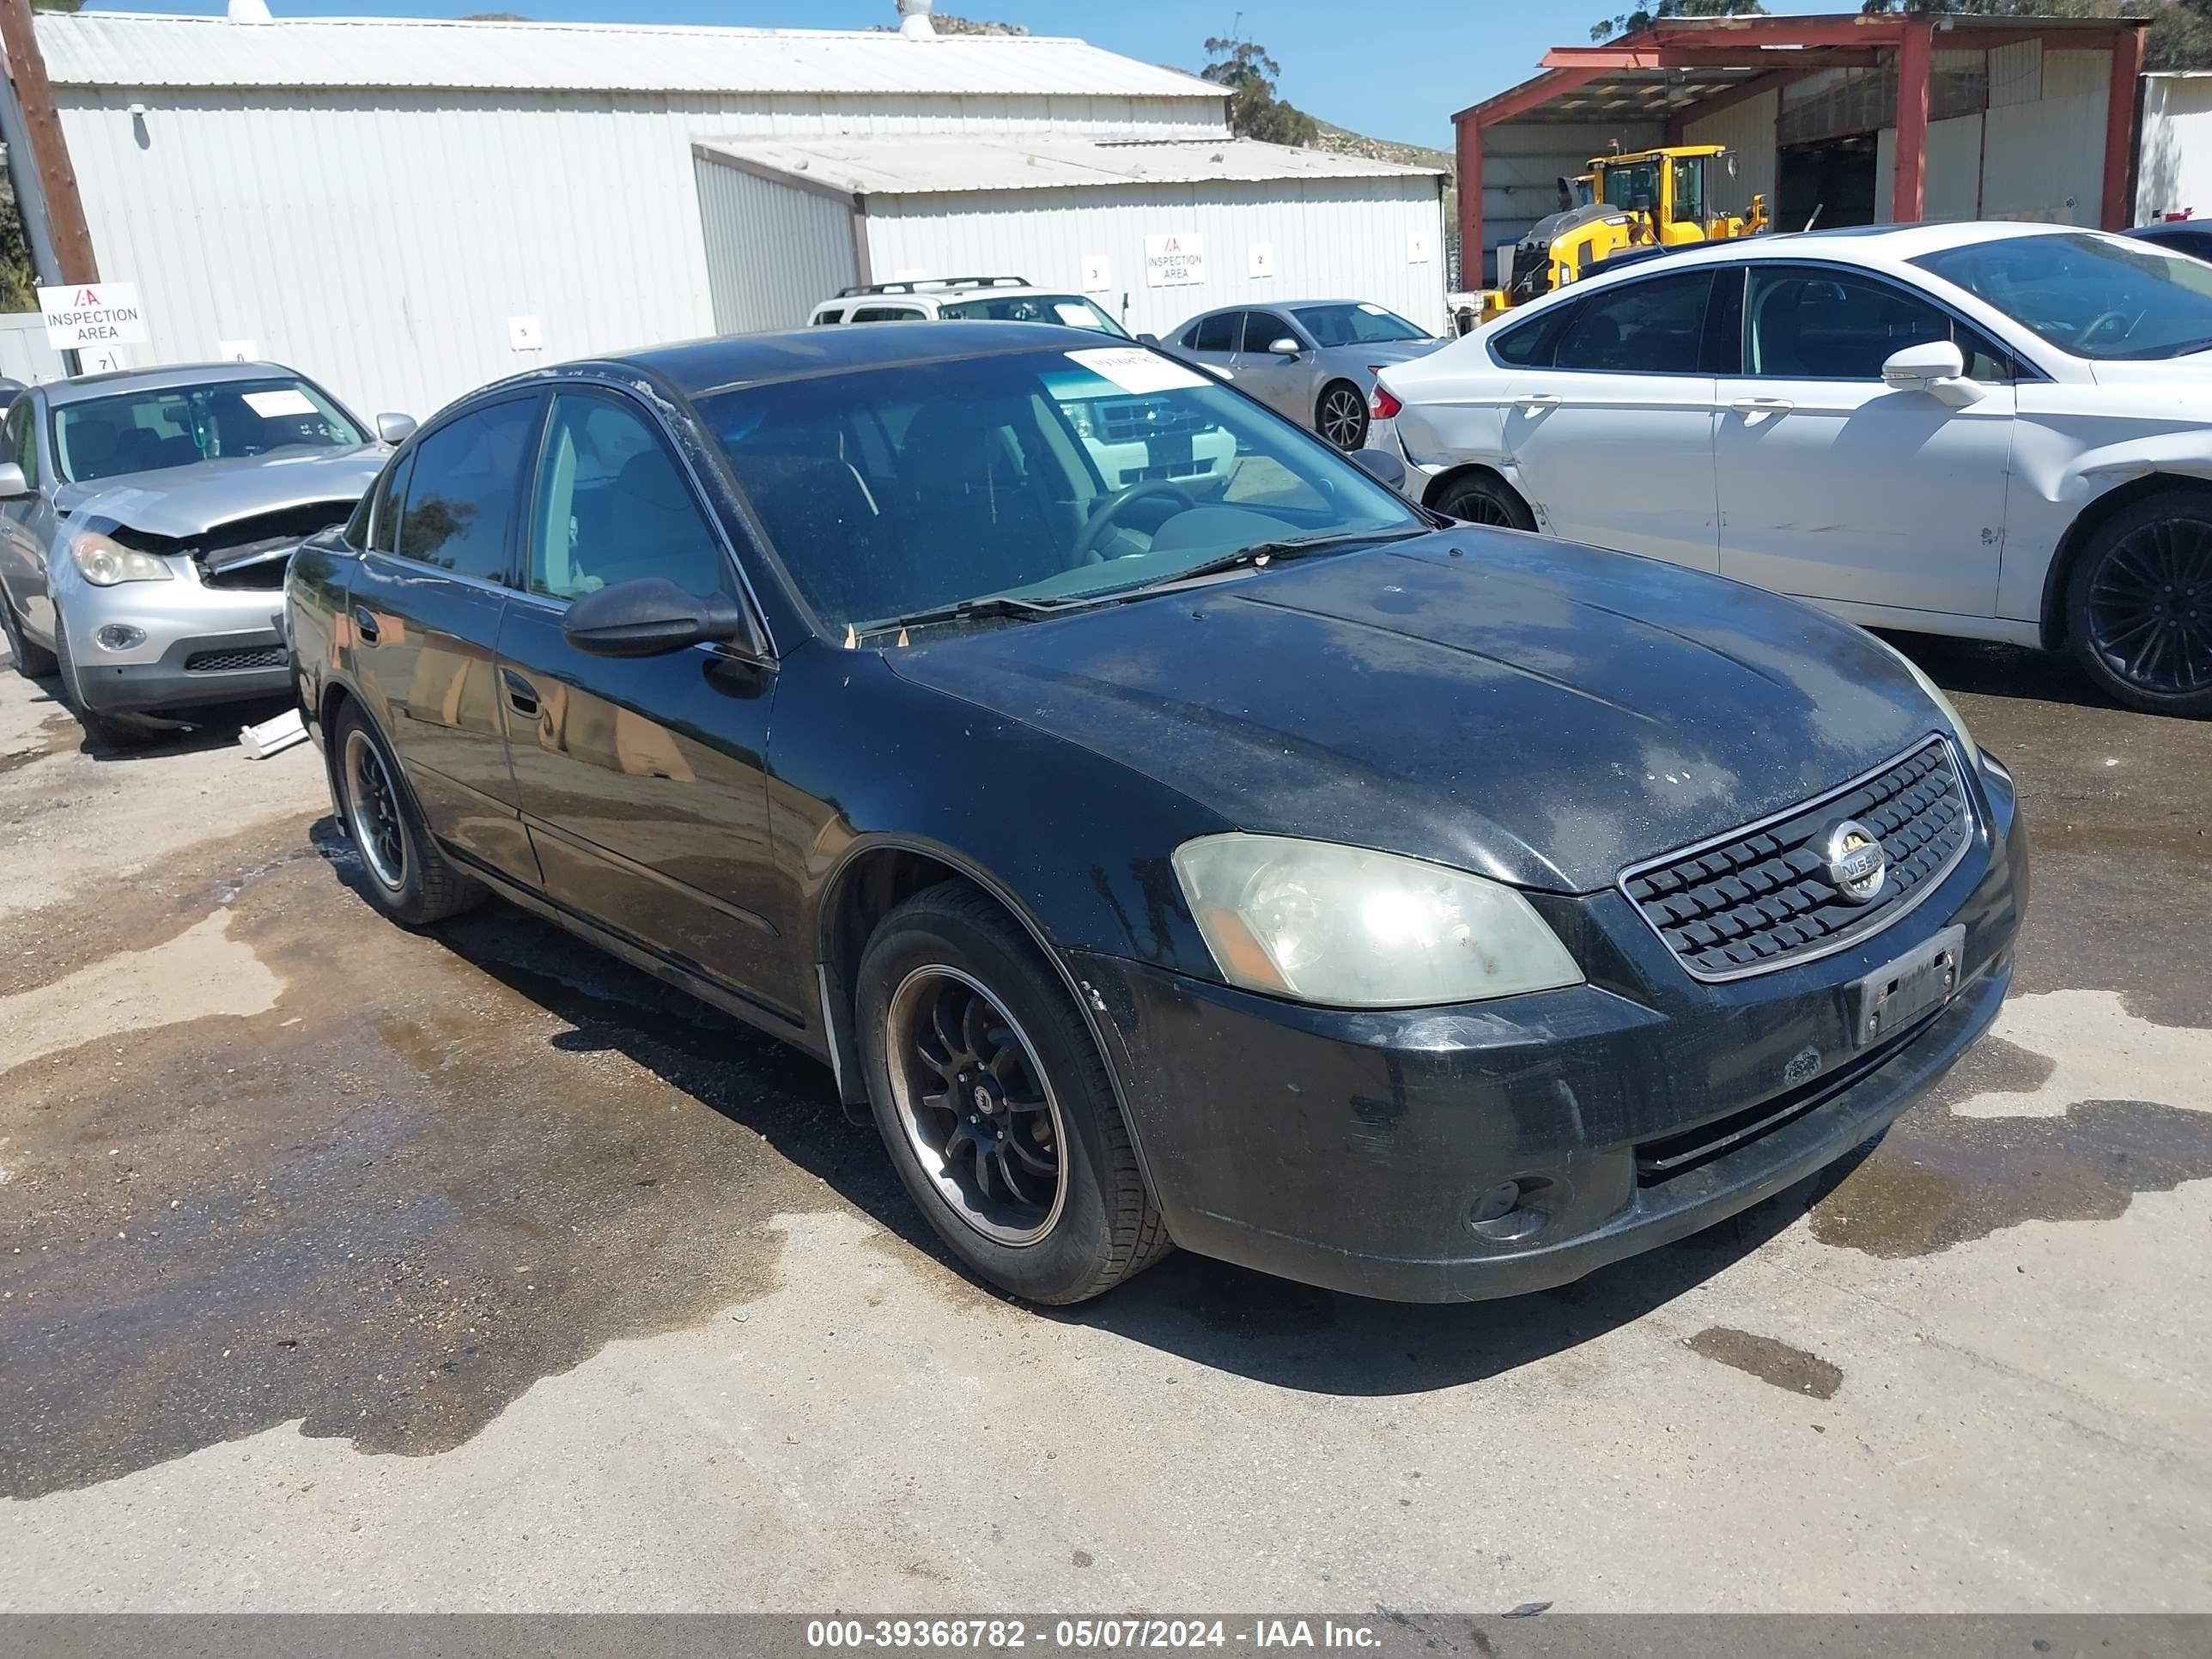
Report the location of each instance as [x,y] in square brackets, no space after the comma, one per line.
[1218,332]
[461,491]
[886,314]
[1531,345]
[829,317]
[1654,327]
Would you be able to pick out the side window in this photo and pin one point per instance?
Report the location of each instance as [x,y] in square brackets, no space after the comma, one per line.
[1218,332]
[1832,325]
[834,315]
[384,525]
[1531,345]
[613,504]
[21,442]
[461,490]
[886,314]
[1689,190]
[1262,329]
[1654,327]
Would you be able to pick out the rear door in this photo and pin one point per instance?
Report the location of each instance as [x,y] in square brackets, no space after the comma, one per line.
[640,779]
[1613,434]
[1216,339]
[1282,383]
[1832,485]
[422,624]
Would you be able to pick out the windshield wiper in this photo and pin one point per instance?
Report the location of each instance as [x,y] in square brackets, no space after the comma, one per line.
[990,605]
[1292,548]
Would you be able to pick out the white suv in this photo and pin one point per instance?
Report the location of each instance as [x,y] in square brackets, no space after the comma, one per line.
[964,299]
[1134,440]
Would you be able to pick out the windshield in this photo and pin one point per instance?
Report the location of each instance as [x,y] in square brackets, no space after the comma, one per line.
[1359,324]
[1051,476]
[153,430]
[2093,296]
[1070,309]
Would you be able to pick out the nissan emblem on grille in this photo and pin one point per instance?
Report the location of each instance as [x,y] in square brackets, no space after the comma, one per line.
[1856,865]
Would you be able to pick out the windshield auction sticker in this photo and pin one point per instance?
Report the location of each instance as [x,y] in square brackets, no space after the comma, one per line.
[1135,369]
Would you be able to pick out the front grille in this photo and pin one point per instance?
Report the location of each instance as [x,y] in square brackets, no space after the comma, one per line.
[1761,898]
[1131,420]
[230,662]
[264,573]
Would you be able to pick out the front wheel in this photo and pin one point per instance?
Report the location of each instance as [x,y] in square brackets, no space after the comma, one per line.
[32,662]
[1342,416]
[990,1094]
[2139,605]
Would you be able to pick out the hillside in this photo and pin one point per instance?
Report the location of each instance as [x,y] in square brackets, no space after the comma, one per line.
[1344,142]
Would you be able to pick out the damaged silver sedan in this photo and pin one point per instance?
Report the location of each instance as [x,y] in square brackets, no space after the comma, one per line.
[146,520]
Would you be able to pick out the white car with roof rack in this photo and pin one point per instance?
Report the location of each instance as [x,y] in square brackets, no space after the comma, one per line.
[1996,431]
[1134,440]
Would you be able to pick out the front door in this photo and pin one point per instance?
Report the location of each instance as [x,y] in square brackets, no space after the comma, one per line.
[640,779]
[424,616]
[1613,441]
[27,522]
[1832,486]
[1281,383]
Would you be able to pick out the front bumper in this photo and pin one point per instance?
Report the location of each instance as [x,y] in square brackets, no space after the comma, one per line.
[1352,1150]
[201,645]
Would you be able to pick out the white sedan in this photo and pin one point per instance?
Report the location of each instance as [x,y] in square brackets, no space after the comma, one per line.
[2000,431]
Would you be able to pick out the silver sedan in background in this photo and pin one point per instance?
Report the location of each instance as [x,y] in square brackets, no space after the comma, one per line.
[146,521]
[1312,360]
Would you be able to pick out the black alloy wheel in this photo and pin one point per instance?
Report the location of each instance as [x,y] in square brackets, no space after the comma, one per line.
[2140,603]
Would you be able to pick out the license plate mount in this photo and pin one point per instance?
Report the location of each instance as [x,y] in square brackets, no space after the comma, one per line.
[1891,999]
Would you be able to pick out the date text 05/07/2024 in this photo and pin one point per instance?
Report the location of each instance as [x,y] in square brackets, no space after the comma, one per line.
[1086,1635]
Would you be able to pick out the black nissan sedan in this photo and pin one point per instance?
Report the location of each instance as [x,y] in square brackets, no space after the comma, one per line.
[1165,831]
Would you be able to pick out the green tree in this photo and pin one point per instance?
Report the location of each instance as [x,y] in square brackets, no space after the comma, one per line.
[1250,74]
[1642,17]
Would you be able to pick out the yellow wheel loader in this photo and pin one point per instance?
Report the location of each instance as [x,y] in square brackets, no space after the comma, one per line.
[1638,203]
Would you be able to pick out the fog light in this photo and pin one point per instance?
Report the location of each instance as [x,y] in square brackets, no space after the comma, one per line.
[1506,1213]
[120,636]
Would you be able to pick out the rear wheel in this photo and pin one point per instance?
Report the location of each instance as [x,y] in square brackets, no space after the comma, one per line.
[104,730]
[1341,416]
[32,662]
[1482,498]
[2139,604]
[410,879]
[989,1092]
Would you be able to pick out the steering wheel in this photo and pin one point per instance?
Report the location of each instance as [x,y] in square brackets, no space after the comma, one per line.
[2083,338]
[1107,513]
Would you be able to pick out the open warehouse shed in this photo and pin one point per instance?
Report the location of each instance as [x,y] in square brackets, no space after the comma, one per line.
[407,208]
[1857,119]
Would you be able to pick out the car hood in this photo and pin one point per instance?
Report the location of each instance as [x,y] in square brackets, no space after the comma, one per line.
[1535,711]
[182,502]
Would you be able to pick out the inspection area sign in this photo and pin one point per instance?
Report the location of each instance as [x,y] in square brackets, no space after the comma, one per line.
[87,315]
[1173,261]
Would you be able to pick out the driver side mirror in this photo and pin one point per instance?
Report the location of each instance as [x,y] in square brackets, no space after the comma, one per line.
[650,616]
[12,484]
[395,429]
[1934,366]
[1148,339]
[1285,347]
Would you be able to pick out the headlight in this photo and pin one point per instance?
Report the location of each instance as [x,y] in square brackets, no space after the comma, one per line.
[1350,928]
[1936,696]
[104,561]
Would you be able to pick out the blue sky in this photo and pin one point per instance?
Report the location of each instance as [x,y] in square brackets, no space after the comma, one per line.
[1395,70]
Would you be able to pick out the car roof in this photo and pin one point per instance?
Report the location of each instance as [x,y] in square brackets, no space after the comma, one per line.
[702,366]
[164,378]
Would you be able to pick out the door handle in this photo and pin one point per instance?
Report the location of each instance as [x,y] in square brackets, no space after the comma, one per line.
[364,624]
[1538,400]
[1762,405]
[521,695]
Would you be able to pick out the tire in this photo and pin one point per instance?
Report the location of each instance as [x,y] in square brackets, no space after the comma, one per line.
[32,662]
[947,980]
[406,876]
[2139,604]
[1340,416]
[102,731]
[1483,498]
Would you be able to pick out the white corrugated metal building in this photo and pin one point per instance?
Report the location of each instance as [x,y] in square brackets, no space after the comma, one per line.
[2174,174]
[406,210]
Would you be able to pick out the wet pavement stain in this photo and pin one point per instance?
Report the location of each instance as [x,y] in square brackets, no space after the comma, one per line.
[1938,1180]
[439,1169]
[1792,1369]
[56,735]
